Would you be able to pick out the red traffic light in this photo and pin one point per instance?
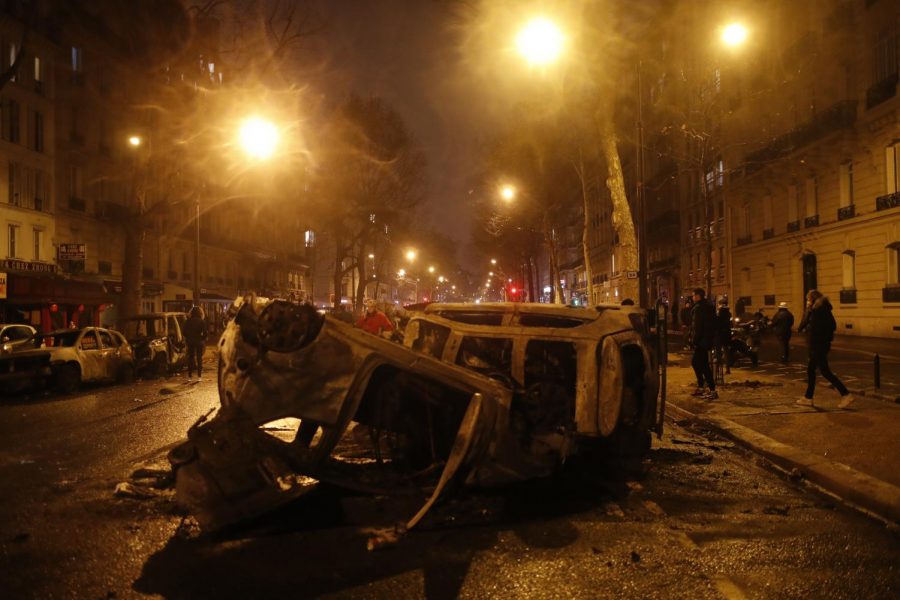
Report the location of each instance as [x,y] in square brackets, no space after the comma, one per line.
[514,290]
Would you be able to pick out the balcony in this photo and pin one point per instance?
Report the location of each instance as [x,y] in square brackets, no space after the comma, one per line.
[881,91]
[846,212]
[848,296]
[768,233]
[887,201]
[890,294]
[744,240]
[812,221]
[835,117]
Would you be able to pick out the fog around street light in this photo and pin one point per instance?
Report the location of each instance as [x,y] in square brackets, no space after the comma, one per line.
[135,140]
[258,138]
[734,34]
[540,42]
[508,192]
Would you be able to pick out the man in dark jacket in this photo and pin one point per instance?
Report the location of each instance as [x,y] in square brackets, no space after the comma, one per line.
[195,339]
[819,324]
[782,322]
[703,336]
[685,318]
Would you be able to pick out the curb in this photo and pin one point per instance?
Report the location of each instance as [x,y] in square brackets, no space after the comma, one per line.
[862,491]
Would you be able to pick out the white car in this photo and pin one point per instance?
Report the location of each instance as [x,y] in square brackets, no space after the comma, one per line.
[87,354]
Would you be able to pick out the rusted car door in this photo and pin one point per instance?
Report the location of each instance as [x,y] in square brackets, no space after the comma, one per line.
[90,355]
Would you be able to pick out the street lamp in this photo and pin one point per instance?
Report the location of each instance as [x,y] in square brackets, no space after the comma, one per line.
[540,42]
[508,193]
[734,34]
[258,138]
[135,140]
[411,255]
[493,261]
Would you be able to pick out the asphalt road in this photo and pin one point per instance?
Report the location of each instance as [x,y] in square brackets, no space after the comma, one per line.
[697,519]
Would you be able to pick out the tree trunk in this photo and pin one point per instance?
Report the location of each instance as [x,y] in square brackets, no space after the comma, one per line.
[623,222]
[363,277]
[558,297]
[338,273]
[586,233]
[132,270]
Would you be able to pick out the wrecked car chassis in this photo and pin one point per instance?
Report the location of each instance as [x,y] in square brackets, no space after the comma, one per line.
[362,413]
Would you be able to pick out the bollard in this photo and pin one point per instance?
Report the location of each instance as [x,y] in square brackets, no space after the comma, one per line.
[877,366]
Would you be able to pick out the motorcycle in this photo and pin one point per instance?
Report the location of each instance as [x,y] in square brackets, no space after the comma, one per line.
[746,338]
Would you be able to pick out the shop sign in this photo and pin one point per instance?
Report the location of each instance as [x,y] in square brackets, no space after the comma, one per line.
[2,286]
[11,264]
[72,251]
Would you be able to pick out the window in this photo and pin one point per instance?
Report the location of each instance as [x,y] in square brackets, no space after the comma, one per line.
[15,176]
[767,213]
[886,55]
[40,190]
[848,263]
[429,338]
[106,339]
[845,177]
[770,279]
[74,181]
[893,264]
[38,239]
[812,197]
[38,132]
[891,170]
[487,355]
[13,248]
[76,60]
[792,199]
[309,238]
[12,59]
[38,72]
[89,341]
[745,282]
[14,124]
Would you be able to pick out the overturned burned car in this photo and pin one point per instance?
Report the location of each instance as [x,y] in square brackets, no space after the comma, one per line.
[478,395]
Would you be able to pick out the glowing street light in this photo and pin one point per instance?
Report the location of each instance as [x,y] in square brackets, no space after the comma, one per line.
[441,279]
[491,274]
[734,34]
[135,140]
[402,272]
[258,138]
[493,261]
[431,270]
[411,254]
[508,193]
[372,256]
[540,42]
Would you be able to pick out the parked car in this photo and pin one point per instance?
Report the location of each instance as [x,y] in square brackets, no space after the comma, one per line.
[158,342]
[15,336]
[86,354]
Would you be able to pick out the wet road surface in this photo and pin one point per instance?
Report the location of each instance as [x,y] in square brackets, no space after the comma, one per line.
[698,519]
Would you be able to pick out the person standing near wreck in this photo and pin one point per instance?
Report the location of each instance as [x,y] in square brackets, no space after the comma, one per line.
[819,325]
[373,320]
[195,339]
[703,337]
[782,322]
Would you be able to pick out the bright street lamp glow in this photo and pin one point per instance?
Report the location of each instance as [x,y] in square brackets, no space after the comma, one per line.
[491,274]
[371,256]
[135,140]
[734,34]
[402,272]
[540,42]
[431,270]
[493,261]
[441,279]
[258,138]
[410,255]
[507,192]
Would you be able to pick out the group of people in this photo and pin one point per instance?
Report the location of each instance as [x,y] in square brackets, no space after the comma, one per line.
[707,329]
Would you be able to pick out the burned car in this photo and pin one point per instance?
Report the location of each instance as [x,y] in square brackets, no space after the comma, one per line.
[307,398]
[158,343]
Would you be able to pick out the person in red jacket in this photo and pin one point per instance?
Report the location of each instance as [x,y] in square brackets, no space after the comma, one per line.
[373,320]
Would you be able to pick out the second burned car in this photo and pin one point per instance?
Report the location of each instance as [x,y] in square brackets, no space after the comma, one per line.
[481,397]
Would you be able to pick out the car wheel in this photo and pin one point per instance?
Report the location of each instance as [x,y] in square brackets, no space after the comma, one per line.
[68,379]
[126,374]
[160,365]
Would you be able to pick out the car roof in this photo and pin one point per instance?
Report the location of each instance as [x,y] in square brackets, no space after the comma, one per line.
[534,308]
[156,315]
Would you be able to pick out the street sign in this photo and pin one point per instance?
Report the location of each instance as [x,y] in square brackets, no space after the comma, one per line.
[631,275]
[72,252]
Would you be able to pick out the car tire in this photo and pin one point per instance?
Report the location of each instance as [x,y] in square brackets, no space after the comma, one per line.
[125,374]
[160,366]
[68,379]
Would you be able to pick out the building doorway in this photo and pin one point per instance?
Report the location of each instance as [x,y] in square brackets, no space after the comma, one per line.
[810,274]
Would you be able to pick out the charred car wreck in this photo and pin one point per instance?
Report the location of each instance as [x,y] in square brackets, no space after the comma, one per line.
[478,395]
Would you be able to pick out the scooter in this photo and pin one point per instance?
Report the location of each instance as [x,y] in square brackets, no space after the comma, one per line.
[746,338]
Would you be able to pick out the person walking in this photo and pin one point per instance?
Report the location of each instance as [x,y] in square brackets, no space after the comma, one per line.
[819,325]
[723,334]
[782,323]
[703,336]
[373,320]
[195,339]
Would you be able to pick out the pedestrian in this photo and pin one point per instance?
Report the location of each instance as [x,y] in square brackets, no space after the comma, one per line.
[782,322]
[703,336]
[819,325]
[723,333]
[685,317]
[373,320]
[195,339]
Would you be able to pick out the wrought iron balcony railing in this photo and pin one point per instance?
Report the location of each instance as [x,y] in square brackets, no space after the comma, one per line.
[846,212]
[887,201]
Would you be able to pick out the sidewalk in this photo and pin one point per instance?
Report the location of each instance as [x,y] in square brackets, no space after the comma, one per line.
[849,453]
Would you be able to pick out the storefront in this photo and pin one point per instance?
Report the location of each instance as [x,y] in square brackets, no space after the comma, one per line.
[35,294]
